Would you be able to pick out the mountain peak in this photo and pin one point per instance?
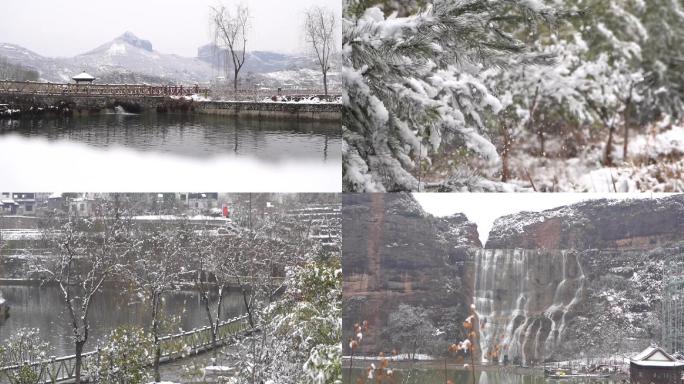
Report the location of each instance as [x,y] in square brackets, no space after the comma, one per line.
[130,38]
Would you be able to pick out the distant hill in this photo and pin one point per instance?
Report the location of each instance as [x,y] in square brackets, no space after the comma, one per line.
[9,70]
[129,58]
[257,61]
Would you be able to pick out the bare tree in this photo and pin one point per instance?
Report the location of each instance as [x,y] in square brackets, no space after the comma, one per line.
[319,28]
[84,253]
[156,268]
[230,33]
[211,266]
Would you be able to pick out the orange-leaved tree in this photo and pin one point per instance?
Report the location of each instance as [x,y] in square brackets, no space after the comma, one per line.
[354,342]
[467,347]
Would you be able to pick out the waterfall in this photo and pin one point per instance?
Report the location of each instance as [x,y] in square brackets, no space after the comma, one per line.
[523,298]
[119,110]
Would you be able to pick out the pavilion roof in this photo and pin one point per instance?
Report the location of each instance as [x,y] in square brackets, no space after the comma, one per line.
[655,357]
[83,76]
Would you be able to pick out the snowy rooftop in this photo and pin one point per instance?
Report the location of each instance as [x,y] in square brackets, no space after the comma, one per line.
[655,357]
[83,76]
[174,217]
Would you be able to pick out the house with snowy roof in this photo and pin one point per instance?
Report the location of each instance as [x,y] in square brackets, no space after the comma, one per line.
[83,205]
[655,366]
[18,203]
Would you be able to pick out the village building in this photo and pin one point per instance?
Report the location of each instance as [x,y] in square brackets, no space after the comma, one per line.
[655,366]
[82,206]
[19,203]
[200,201]
[56,202]
[8,206]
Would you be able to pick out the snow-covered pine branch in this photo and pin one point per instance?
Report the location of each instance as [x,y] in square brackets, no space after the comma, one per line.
[412,83]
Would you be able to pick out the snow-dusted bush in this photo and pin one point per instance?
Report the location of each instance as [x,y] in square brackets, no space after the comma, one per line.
[124,357]
[24,347]
[299,338]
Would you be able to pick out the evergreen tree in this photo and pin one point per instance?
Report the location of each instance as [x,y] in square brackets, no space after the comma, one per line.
[663,57]
[412,83]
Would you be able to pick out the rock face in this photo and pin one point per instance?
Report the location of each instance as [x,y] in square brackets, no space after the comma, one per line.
[393,254]
[582,278]
[596,224]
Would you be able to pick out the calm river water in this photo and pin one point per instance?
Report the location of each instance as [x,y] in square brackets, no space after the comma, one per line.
[42,307]
[170,152]
[191,135]
[436,376]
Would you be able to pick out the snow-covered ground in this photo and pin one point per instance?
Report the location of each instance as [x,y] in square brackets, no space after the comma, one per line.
[118,169]
[194,97]
[300,100]
[302,77]
[655,163]
[20,234]
[174,217]
[399,357]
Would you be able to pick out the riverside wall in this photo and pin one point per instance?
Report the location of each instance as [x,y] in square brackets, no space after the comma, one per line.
[37,104]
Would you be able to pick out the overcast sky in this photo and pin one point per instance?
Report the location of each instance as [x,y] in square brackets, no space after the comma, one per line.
[71,27]
[484,208]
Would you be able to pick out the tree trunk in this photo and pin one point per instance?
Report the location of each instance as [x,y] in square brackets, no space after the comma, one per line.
[626,141]
[155,334]
[325,82]
[351,362]
[215,327]
[472,361]
[628,104]
[79,361]
[205,299]
[247,306]
[608,155]
[235,80]
[540,135]
[505,150]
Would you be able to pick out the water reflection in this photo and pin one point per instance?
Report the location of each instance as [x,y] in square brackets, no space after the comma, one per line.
[197,136]
[437,376]
[42,307]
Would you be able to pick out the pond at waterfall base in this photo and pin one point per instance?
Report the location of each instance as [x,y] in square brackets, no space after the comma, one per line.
[432,372]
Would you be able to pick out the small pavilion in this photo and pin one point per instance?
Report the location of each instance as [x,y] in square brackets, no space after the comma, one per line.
[655,366]
[83,78]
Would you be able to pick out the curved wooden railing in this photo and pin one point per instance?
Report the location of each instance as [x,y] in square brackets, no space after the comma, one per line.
[58,89]
[72,89]
[173,347]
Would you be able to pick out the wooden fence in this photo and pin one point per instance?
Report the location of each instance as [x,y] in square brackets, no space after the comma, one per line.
[57,89]
[173,347]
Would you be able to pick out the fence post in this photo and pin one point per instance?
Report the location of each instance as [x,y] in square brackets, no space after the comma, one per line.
[51,372]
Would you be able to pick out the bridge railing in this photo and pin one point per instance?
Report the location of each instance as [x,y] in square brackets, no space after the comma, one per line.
[72,89]
[56,370]
[35,88]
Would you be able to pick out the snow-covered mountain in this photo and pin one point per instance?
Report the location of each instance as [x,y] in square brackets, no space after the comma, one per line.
[257,61]
[129,58]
